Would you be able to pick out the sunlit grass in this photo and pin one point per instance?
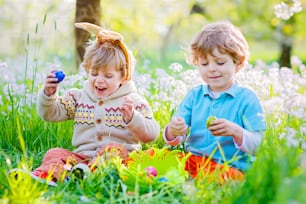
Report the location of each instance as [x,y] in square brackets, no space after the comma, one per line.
[277,176]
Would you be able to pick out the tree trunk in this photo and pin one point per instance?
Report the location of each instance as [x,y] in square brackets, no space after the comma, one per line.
[86,11]
[196,8]
[284,59]
[286,43]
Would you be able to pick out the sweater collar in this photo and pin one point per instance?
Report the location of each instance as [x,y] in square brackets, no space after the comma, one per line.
[123,90]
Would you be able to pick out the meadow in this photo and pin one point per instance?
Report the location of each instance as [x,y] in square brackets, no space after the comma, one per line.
[277,176]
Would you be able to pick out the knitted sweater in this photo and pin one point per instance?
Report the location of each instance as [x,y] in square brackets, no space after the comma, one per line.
[100,122]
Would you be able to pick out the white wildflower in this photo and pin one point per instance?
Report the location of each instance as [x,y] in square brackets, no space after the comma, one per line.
[285,11]
[176,67]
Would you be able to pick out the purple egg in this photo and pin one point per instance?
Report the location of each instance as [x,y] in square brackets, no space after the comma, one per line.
[60,75]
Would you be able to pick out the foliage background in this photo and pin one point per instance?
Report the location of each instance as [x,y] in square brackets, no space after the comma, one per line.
[154,30]
[36,34]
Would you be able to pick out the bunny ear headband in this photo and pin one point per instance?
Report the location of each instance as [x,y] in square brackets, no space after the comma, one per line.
[103,35]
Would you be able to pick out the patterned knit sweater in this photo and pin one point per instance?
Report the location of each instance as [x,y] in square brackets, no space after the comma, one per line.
[100,122]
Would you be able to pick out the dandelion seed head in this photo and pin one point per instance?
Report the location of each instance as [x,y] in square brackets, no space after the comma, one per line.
[295,61]
[8,161]
[303,159]
[176,67]
[290,136]
[303,129]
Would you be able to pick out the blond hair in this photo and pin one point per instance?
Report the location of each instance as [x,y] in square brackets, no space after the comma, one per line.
[224,36]
[107,49]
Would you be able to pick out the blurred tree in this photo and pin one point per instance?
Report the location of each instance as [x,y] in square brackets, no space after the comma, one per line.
[286,11]
[197,8]
[260,21]
[86,11]
[154,30]
[286,32]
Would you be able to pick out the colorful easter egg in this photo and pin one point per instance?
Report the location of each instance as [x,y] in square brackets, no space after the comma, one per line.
[151,171]
[210,119]
[60,75]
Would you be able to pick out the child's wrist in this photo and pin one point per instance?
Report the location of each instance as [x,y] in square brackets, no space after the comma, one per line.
[238,136]
[169,136]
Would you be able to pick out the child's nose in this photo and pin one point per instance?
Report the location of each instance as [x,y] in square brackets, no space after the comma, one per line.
[101,79]
[211,67]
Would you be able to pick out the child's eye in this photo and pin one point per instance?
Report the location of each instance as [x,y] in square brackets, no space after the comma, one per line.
[109,76]
[94,73]
[204,64]
[220,63]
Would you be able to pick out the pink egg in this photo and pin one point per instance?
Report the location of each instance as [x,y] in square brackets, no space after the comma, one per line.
[151,171]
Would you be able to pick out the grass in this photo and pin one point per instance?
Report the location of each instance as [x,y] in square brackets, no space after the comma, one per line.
[277,176]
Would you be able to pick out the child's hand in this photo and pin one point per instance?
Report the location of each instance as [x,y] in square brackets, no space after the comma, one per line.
[176,127]
[127,109]
[222,127]
[51,83]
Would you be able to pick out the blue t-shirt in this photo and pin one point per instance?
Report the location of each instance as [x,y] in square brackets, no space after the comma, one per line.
[238,104]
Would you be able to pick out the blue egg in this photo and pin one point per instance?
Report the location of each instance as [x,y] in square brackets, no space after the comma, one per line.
[60,75]
[163,179]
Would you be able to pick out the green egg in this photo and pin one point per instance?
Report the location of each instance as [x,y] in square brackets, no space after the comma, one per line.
[210,119]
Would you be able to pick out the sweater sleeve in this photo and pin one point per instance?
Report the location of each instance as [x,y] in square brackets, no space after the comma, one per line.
[143,125]
[54,108]
[250,141]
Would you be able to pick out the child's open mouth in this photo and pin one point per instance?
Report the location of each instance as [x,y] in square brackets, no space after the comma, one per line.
[100,91]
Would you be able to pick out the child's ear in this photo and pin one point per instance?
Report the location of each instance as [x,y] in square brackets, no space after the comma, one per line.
[124,81]
[240,64]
